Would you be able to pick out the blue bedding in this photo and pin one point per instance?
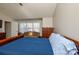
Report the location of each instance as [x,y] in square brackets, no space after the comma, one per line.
[27,46]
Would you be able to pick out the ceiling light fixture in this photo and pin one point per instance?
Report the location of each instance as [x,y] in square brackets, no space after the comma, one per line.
[20,4]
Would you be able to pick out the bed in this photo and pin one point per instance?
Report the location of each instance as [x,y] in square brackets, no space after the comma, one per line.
[27,46]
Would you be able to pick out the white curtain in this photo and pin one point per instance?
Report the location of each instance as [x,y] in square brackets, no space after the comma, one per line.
[25,27]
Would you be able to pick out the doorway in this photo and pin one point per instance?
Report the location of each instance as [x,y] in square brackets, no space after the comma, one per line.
[8,29]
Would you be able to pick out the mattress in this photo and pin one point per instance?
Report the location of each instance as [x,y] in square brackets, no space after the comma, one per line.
[27,46]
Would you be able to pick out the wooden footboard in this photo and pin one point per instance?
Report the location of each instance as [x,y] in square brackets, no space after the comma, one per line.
[8,40]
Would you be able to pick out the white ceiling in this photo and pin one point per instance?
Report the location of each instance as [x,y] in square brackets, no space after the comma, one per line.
[28,10]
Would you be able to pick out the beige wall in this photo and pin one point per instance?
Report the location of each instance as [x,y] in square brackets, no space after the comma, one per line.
[13,24]
[4,18]
[47,22]
[66,20]
[14,28]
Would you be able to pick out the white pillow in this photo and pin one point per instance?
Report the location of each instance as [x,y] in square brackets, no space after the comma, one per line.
[57,47]
[52,37]
[60,45]
[69,45]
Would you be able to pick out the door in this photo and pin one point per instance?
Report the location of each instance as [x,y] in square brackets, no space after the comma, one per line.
[8,29]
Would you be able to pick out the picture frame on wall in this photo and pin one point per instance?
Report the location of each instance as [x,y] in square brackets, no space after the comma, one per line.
[0,23]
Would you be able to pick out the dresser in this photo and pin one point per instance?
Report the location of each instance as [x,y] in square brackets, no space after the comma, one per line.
[46,32]
[2,35]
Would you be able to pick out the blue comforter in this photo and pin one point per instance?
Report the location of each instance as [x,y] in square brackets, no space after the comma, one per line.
[27,46]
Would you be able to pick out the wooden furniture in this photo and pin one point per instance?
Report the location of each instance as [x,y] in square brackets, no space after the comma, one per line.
[31,34]
[46,32]
[7,40]
[2,35]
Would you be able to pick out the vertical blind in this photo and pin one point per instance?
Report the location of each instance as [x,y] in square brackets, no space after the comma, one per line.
[25,27]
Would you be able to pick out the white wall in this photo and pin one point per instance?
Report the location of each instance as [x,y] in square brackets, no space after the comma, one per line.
[13,24]
[4,18]
[66,20]
[47,22]
[14,28]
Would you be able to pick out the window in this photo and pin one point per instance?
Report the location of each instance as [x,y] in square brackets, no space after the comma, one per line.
[36,27]
[25,27]
[29,26]
[22,27]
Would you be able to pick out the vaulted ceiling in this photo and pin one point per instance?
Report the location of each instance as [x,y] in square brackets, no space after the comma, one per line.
[28,10]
